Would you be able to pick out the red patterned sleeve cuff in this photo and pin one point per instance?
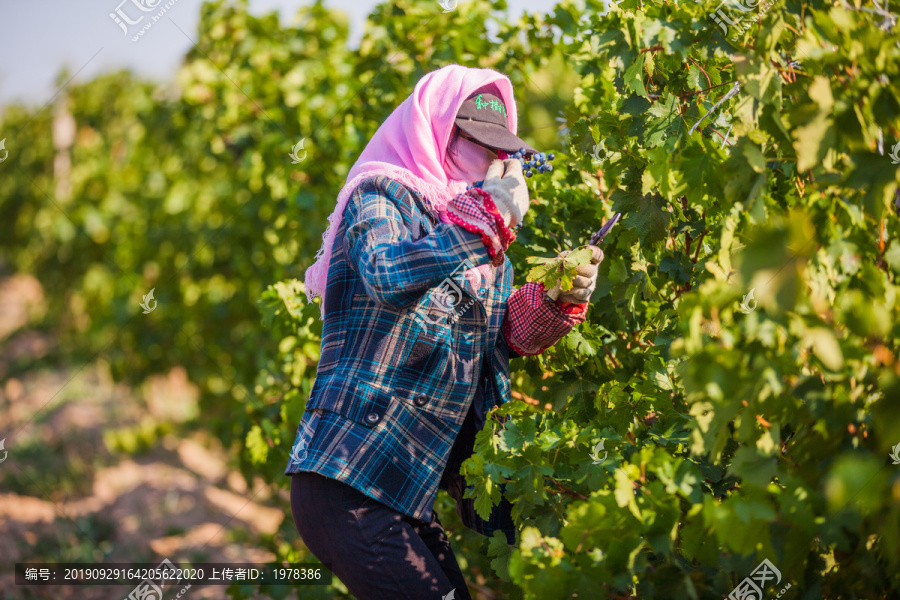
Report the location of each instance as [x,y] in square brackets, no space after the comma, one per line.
[571,308]
[474,211]
[534,322]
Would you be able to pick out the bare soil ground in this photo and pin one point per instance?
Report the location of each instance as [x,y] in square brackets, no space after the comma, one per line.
[67,495]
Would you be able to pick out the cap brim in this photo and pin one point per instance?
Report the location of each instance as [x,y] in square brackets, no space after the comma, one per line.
[493,135]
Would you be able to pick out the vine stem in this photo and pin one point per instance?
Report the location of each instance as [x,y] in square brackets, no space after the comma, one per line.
[795,32]
[699,245]
[581,541]
[708,81]
[685,96]
[567,491]
[724,139]
[785,75]
[612,359]
[680,291]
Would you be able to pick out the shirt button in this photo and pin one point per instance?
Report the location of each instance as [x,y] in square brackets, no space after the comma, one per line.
[420,400]
[372,418]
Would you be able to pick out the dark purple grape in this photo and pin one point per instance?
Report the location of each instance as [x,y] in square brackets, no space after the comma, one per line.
[534,162]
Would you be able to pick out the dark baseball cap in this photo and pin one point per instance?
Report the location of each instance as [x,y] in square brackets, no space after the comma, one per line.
[483,117]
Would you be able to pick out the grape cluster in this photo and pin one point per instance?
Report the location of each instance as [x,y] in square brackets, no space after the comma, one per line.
[539,161]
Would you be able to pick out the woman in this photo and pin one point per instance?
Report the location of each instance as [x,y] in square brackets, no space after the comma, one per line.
[420,320]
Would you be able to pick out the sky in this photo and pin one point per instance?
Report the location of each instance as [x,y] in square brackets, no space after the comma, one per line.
[40,37]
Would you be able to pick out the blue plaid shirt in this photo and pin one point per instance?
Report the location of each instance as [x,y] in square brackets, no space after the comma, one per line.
[407,342]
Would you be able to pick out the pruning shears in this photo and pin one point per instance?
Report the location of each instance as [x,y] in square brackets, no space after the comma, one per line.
[598,237]
[595,240]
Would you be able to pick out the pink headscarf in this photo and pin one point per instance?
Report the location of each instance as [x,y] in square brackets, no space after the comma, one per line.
[410,146]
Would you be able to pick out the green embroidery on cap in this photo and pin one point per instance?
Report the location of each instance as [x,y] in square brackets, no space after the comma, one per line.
[492,104]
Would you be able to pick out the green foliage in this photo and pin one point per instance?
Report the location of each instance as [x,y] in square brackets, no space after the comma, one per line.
[137,439]
[562,268]
[731,436]
[758,441]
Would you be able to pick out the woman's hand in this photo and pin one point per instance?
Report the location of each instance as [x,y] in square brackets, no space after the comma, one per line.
[505,182]
[584,283]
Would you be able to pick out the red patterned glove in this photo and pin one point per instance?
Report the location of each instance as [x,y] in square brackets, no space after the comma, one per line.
[534,322]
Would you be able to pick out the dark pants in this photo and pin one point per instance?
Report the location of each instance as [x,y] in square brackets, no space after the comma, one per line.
[377,552]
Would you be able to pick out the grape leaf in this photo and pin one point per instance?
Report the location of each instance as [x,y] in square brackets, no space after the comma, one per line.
[635,74]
